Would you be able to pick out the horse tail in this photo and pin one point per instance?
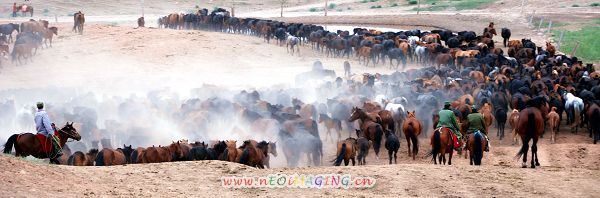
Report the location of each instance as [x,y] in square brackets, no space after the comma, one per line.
[245,158]
[9,143]
[478,151]
[415,143]
[378,137]
[340,157]
[528,134]
[436,144]
[100,159]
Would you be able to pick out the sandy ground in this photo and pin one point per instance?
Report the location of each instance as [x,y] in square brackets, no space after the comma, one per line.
[121,60]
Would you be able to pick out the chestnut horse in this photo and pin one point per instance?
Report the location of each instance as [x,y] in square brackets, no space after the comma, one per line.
[512,120]
[80,159]
[441,143]
[530,127]
[111,157]
[553,121]
[251,155]
[346,150]
[157,154]
[28,144]
[476,144]
[412,129]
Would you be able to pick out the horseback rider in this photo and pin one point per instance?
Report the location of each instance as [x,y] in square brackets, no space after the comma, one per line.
[448,120]
[43,125]
[477,123]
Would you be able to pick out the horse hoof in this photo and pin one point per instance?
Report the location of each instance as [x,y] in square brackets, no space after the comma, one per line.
[537,164]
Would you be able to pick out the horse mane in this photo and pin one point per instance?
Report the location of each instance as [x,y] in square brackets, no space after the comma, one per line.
[536,102]
[93,151]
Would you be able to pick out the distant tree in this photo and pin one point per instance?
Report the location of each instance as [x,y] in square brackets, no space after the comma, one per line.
[282,3]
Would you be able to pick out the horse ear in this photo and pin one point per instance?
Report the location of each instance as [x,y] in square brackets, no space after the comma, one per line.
[413,112]
[407,112]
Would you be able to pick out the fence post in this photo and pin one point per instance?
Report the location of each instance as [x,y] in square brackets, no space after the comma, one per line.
[575,49]
[549,27]
[540,25]
[562,33]
[522,4]
[531,18]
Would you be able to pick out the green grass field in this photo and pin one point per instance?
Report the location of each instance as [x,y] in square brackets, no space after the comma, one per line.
[437,5]
[589,47]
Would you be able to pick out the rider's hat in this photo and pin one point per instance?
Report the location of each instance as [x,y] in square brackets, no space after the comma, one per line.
[40,105]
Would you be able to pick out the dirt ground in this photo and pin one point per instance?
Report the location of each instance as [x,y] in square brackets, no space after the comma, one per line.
[569,168]
[119,60]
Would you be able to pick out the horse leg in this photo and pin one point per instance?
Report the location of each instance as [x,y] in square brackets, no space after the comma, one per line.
[408,144]
[395,157]
[390,152]
[534,151]
[353,161]
[450,157]
[525,149]
[346,161]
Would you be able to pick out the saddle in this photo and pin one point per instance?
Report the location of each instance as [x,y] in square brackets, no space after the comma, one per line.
[457,144]
[49,144]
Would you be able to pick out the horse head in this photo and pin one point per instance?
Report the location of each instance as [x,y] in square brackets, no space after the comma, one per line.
[70,131]
[273,148]
[411,114]
[356,114]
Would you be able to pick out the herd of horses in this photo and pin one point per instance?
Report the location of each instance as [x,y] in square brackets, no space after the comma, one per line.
[528,79]
[31,35]
[531,88]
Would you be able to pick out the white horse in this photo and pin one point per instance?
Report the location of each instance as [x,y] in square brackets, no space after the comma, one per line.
[291,42]
[574,106]
[421,53]
[396,106]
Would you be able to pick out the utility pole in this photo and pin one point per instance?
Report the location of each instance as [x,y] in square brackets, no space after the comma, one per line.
[142,8]
[326,2]
[233,8]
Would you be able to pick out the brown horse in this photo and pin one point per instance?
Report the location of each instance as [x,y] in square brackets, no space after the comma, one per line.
[251,155]
[157,154]
[78,21]
[346,150]
[553,121]
[111,157]
[181,151]
[530,127]
[48,34]
[593,115]
[267,148]
[331,123]
[476,144]
[80,159]
[512,120]
[441,143]
[231,154]
[412,129]
[29,144]
[137,155]
[369,128]
[551,49]
[488,116]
